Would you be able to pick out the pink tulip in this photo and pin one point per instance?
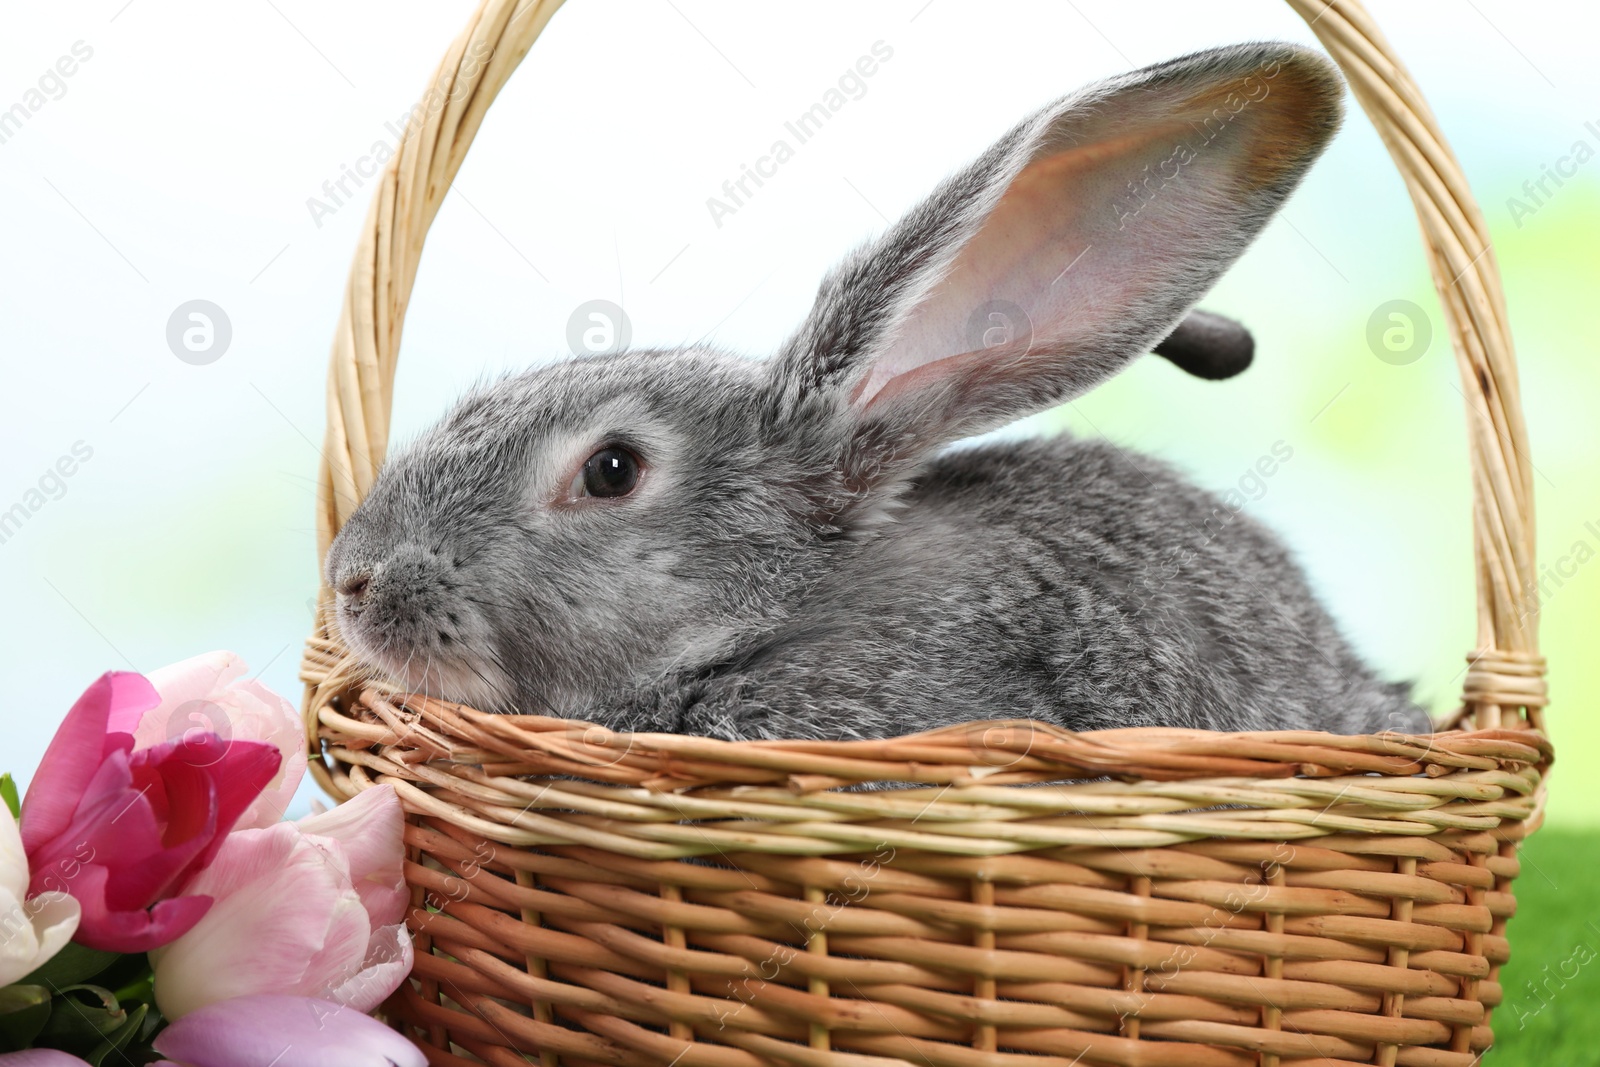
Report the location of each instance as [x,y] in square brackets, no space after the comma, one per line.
[40,1057]
[122,830]
[209,693]
[264,1031]
[312,908]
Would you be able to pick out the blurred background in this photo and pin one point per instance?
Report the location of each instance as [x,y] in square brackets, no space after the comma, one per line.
[224,153]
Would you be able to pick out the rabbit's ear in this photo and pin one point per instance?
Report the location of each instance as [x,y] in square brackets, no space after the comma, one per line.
[1209,346]
[1070,247]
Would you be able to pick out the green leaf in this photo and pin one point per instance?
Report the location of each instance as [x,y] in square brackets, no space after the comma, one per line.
[129,977]
[118,1040]
[8,793]
[141,989]
[81,1017]
[72,965]
[23,1011]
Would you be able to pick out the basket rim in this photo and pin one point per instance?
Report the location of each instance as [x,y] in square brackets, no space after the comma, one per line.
[530,781]
[988,751]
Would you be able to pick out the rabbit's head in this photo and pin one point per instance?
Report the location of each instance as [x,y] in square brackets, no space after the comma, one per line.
[588,526]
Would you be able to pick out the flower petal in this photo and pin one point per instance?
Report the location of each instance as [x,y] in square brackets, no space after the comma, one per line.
[209,694]
[133,930]
[387,964]
[114,827]
[31,930]
[76,751]
[280,903]
[343,951]
[36,930]
[261,1031]
[118,827]
[13,857]
[55,920]
[40,1057]
[208,775]
[278,722]
[196,678]
[371,827]
[121,828]
[244,771]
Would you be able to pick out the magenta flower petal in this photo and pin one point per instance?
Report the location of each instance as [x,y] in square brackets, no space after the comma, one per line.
[113,825]
[118,828]
[140,931]
[130,929]
[109,800]
[242,773]
[261,1031]
[75,753]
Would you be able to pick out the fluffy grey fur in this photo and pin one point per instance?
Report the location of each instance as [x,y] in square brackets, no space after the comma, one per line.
[803,558]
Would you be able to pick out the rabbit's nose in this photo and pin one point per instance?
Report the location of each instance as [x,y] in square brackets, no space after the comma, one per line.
[353,587]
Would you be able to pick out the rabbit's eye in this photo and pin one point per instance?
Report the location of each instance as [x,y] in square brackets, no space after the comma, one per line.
[611,471]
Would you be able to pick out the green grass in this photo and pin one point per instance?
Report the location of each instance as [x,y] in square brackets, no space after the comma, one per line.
[1551,1013]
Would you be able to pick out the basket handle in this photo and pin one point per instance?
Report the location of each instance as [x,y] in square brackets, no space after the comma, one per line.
[1505,674]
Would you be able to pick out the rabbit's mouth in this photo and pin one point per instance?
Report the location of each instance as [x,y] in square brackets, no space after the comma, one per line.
[402,612]
[460,682]
[440,668]
[418,646]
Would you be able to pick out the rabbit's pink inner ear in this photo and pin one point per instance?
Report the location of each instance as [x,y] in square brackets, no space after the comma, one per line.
[1004,266]
[1069,257]
[951,397]
[1120,214]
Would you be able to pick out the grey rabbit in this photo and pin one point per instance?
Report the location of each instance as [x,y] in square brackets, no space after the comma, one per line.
[688,541]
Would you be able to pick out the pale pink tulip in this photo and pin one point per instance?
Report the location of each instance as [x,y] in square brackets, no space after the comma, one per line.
[210,693]
[270,1031]
[41,1057]
[311,909]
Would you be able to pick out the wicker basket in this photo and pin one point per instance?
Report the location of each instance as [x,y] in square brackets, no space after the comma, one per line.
[1213,900]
